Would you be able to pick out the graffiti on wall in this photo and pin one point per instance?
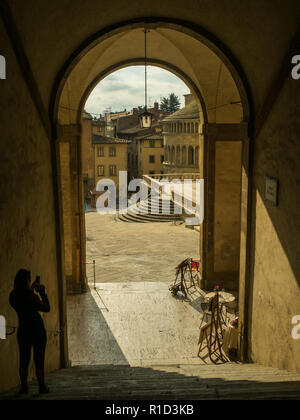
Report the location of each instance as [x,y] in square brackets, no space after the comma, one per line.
[21,239]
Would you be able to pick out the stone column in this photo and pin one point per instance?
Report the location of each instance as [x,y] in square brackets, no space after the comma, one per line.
[71,181]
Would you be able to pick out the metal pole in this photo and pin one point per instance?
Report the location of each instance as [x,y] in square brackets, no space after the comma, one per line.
[94,264]
[146,81]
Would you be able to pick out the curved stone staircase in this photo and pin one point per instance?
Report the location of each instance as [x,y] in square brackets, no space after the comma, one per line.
[150,213]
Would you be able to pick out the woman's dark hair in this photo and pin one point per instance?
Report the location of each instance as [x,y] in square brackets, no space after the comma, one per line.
[21,280]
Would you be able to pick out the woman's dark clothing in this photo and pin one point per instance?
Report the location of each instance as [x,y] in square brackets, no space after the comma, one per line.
[31,331]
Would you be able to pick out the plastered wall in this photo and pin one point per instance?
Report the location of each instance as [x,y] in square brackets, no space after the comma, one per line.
[275,272]
[227,209]
[27,223]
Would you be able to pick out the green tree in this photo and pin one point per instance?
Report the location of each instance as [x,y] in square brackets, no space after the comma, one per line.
[164,104]
[170,104]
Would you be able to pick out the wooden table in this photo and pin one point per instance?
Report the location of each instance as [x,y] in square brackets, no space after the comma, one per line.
[224,297]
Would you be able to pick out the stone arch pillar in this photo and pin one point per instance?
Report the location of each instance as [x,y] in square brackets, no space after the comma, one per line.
[71,184]
[222,226]
[196,163]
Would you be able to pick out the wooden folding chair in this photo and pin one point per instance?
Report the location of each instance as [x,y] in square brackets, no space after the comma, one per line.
[216,332]
[204,338]
[206,313]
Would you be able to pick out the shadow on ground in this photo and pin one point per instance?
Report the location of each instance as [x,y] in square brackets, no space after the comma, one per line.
[127,383]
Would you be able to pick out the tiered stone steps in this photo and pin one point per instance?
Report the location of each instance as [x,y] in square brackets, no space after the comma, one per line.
[157,212]
[177,382]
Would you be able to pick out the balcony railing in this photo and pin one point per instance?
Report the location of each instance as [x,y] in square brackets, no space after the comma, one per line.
[171,177]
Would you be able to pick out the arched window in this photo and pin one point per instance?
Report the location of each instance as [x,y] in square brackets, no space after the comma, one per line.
[188,128]
[184,155]
[184,128]
[197,128]
[178,155]
[173,154]
[191,156]
[192,128]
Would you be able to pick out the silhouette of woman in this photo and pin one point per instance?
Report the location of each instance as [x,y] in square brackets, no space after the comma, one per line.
[31,331]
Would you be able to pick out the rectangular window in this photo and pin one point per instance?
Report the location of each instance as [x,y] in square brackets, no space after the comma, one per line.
[151,173]
[100,151]
[101,170]
[112,170]
[152,159]
[162,159]
[152,143]
[112,152]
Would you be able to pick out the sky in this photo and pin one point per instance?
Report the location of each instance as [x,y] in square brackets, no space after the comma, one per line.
[125,89]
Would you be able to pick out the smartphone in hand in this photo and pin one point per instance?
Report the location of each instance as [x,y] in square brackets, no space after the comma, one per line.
[36,283]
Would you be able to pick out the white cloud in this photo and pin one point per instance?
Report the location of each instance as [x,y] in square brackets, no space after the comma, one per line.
[125,88]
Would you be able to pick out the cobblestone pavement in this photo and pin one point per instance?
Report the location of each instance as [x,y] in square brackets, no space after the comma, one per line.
[137,252]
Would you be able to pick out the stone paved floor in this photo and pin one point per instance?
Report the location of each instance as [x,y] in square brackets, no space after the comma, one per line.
[132,318]
[136,324]
[136,252]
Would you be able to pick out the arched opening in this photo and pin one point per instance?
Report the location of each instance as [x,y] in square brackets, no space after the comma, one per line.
[184,155]
[191,158]
[222,130]
[173,155]
[178,155]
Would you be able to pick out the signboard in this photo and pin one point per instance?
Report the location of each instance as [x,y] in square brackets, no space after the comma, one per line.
[271,190]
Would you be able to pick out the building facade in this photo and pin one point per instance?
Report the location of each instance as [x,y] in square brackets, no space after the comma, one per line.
[150,153]
[110,157]
[145,153]
[181,139]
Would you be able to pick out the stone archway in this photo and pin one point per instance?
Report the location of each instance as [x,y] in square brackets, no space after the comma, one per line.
[225,108]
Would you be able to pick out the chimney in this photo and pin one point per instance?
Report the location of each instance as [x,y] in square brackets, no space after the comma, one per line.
[188,99]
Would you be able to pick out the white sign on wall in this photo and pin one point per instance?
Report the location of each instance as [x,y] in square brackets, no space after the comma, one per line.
[271,190]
